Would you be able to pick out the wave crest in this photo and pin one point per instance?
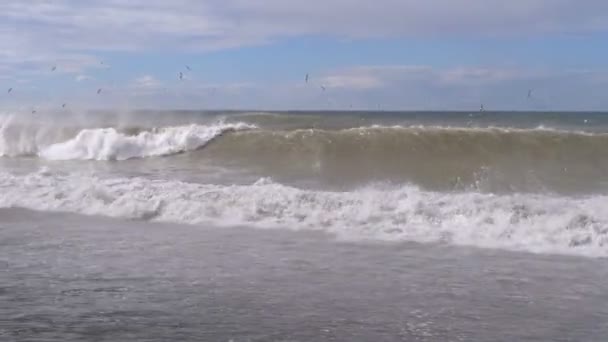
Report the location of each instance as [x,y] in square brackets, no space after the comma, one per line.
[54,142]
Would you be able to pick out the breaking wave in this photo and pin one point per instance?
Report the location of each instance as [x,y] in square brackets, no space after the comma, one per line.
[525,222]
[72,143]
[109,144]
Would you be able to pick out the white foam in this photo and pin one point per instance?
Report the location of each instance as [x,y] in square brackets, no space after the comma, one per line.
[21,135]
[109,144]
[534,223]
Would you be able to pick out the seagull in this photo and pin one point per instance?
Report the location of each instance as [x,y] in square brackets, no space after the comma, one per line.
[54,68]
[33,111]
[188,67]
[530,93]
[481,109]
[63,105]
[99,91]
[181,75]
[323,87]
[306,78]
[9,90]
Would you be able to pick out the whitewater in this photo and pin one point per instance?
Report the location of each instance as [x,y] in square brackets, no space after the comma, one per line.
[533,223]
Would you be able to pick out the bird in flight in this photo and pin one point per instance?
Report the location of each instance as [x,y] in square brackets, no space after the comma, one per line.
[99,91]
[9,90]
[530,93]
[54,68]
[181,75]
[306,78]
[323,88]
[63,105]
[188,67]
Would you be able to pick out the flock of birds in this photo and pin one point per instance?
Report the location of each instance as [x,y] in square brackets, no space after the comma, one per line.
[99,90]
[181,76]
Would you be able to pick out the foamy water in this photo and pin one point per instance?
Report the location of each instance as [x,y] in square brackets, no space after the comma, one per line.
[534,223]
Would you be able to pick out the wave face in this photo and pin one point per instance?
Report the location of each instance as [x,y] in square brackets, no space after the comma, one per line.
[524,222]
[437,158]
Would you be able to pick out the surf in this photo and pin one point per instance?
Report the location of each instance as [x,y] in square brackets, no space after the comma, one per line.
[537,223]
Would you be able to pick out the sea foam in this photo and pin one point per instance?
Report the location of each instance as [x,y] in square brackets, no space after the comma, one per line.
[524,222]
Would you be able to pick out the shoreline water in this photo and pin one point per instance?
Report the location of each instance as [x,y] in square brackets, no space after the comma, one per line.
[71,278]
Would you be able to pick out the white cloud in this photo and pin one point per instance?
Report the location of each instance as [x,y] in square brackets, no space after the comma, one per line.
[60,25]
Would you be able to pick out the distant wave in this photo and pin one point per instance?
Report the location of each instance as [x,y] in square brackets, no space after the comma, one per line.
[525,222]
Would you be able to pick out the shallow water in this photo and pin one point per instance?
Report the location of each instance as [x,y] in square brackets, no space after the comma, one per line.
[66,277]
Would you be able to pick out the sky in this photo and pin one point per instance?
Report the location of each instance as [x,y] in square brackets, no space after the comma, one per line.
[255,54]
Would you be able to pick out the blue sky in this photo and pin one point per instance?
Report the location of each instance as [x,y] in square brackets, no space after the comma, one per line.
[392,54]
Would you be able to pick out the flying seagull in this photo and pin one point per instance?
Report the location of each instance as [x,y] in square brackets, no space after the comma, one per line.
[54,68]
[188,67]
[63,105]
[9,90]
[306,78]
[99,91]
[481,109]
[181,75]
[530,93]
[323,87]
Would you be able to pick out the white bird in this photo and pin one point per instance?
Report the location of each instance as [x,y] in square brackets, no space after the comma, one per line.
[181,75]
[188,67]
[99,91]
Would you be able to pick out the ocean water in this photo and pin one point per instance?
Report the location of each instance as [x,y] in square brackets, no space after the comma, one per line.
[524,196]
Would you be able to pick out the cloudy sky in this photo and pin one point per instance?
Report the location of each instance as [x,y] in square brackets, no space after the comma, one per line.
[389,54]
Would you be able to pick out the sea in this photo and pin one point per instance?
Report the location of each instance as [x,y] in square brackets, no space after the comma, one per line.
[180,225]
